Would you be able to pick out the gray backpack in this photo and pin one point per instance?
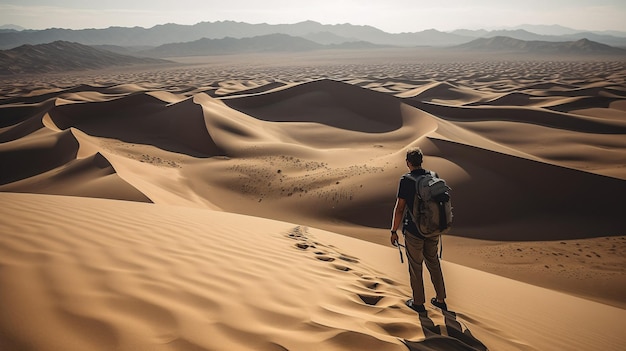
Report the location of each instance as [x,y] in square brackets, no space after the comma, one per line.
[432,206]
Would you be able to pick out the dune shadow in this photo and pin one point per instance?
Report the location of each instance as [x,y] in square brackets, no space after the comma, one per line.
[332,103]
[550,204]
[36,155]
[542,117]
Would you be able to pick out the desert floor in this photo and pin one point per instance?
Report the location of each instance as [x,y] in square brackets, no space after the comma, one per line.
[244,202]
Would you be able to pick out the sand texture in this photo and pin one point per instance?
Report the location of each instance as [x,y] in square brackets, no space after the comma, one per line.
[243,204]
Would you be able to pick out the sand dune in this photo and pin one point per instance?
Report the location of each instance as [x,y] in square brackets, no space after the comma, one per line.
[141,119]
[534,152]
[326,102]
[92,176]
[443,91]
[41,151]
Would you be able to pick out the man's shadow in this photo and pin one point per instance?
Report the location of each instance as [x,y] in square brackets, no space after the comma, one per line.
[456,340]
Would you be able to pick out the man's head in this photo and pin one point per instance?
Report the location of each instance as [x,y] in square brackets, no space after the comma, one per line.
[414,157]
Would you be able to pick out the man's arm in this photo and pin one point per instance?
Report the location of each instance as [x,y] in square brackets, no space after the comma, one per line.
[398,213]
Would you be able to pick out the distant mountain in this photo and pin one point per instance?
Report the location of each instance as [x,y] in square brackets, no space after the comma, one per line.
[124,50]
[62,56]
[518,34]
[523,34]
[11,27]
[513,33]
[327,38]
[604,39]
[554,30]
[259,44]
[508,44]
[264,43]
[615,33]
[471,33]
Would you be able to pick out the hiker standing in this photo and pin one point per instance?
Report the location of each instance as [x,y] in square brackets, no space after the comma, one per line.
[418,247]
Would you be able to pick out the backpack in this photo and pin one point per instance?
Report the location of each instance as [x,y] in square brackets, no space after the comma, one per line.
[432,205]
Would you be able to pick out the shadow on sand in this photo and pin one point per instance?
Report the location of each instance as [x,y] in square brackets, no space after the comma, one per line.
[451,337]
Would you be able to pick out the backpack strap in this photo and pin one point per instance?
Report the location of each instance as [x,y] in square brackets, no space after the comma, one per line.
[416,201]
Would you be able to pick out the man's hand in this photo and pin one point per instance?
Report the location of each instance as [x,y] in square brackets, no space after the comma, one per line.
[398,213]
[394,239]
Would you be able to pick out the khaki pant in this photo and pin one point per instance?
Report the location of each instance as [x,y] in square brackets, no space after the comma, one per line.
[424,250]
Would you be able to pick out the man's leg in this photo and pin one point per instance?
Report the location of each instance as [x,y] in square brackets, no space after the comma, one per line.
[434,266]
[415,256]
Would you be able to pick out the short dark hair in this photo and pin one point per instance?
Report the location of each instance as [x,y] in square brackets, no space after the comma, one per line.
[415,156]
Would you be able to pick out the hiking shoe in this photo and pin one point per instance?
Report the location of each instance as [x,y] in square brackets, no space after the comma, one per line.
[438,304]
[416,308]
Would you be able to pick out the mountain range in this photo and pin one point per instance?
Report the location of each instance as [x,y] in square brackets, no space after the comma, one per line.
[581,46]
[63,56]
[264,43]
[324,34]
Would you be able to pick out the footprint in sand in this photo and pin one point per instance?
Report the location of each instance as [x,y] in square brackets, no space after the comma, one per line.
[323,257]
[369,299]
[369,289]
[372,285]
[340,267]
[299,233]
[302,246]
[349,259]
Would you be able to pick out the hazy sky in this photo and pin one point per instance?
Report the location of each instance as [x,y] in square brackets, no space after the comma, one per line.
[389,15]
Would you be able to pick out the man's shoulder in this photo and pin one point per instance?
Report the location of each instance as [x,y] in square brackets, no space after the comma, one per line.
[417,173]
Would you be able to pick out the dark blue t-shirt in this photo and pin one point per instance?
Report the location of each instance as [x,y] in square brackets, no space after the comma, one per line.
[406,191]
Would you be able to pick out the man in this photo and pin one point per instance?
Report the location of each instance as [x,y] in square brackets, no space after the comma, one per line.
[418,247]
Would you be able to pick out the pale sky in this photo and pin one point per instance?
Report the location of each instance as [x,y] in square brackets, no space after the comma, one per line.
[392,16]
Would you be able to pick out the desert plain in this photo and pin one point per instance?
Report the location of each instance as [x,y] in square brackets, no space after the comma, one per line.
[243,203]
